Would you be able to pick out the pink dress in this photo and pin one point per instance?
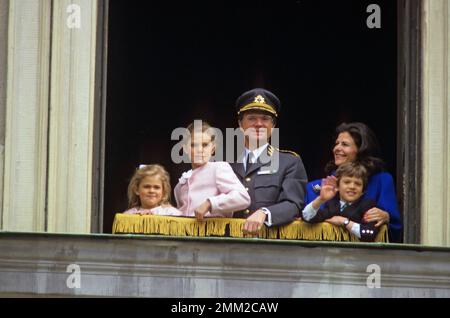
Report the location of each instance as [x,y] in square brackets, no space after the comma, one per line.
[159,210]
[215,181]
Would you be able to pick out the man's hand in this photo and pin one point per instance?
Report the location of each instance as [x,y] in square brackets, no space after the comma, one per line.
[254,222]
[201,210]
[376,215]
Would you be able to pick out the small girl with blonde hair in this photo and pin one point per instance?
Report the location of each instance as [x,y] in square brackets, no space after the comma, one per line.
[149,192]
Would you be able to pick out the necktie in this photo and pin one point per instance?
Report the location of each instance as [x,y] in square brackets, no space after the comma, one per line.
[249,161]
[344,206]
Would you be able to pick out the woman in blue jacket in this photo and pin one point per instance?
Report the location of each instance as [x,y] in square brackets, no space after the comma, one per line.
[356,142]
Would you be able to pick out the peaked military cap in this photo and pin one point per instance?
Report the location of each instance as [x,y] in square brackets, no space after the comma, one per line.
[258,99]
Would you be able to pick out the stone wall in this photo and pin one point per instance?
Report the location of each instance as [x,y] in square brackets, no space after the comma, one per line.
[150,266]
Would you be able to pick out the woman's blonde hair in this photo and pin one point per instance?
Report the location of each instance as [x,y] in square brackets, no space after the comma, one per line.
[149,171]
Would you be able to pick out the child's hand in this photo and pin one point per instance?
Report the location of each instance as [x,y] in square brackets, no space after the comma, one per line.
[202,209]
[336,220]
[328,188]
[145,212]
[331,180]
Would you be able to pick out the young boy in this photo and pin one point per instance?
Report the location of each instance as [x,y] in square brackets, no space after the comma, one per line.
[347,208]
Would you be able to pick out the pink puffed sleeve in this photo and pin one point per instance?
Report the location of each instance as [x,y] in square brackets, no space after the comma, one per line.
[177,194]
[233,196]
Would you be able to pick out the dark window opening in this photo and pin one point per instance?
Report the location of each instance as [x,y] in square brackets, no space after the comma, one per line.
[171,63]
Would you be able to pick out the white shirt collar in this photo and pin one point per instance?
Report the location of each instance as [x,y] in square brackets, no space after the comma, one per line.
[256,153]
[185,176]
[345,203]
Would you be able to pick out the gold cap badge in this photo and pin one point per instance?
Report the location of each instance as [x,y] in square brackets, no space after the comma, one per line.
[259,103]
[260,100]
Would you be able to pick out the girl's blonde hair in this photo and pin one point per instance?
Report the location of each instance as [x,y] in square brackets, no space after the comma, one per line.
[149,171]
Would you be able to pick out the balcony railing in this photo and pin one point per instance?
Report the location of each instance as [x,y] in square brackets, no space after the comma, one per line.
[232,227]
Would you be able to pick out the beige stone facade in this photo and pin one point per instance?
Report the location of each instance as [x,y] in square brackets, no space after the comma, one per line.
[49,103]
[435,209]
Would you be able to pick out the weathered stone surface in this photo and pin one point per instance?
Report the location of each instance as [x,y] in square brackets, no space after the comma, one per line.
[146,266]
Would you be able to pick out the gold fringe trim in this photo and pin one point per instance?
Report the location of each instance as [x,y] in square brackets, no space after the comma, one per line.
[183,226]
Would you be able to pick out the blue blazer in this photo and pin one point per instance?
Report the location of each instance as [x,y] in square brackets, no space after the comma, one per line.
[381,190]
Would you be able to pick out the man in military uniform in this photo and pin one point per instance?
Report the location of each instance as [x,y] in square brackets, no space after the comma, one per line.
[275,179]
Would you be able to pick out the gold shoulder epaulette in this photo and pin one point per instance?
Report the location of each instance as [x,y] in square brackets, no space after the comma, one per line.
[287,151]
[270,150]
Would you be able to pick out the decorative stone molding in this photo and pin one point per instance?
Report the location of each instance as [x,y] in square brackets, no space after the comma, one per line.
[435,227]
[4,5]
[72,116]
[25,165]
[138,266]
[49,116]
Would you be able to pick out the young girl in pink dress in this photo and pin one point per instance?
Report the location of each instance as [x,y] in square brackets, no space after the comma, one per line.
[209,189]
[149,192]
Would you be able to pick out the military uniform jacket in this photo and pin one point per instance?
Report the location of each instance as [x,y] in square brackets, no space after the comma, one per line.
[282,191]
[354,212]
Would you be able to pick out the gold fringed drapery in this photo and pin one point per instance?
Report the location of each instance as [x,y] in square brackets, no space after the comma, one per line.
[183,226]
